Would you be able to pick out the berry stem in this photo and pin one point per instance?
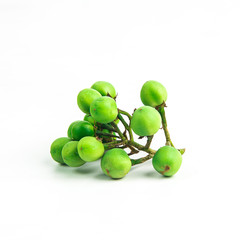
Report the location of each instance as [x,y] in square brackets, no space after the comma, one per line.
[141,160]
[127,127]
[125,113]
[113,144]
[108,127]
[97,132]
[161,110]
[118,131]
[164,124]
[149,140]
[141,147]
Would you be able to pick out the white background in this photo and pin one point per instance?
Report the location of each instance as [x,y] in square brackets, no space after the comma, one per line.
[50,50]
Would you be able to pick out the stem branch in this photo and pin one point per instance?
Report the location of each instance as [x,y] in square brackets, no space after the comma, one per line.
[141,160]
[127,127]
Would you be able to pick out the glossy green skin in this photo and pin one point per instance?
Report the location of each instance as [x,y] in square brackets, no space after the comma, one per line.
[70,155]
[80,129]
[90,149]
[69,132]
[105,88]
[89,118]
[85,98]
[167,161]
[116,163]
[146,121]
[56,149]
[104,110]
[153,93]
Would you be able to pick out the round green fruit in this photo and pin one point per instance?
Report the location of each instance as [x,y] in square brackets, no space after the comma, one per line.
[70,154]
[89,118]
[146,121]
[56,149]
[104,110]
[105,88]
[167,161]
[153,93]
[69,132]
[85,98]
[90,149]
[116,163]
[80,129]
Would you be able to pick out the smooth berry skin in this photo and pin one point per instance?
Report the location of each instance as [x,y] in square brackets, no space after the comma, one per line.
[116,163]
[70,155]
[85,98]
[56,149]
[90,149]
[167,161]
[146,121]
[80,129]
[153,93]
[69,132]
[104,110]
[105,88]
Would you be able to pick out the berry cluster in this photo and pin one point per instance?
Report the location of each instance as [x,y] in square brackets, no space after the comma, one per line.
[98,136]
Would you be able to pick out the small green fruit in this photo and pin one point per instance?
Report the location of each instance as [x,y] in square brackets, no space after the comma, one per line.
[104,110]
[90,149]
[146,121]
[56,149]
[69,132]
[85,98]
[153,93]
[80,129]
[167,160]
[105,88]
[116,163]
[70,155]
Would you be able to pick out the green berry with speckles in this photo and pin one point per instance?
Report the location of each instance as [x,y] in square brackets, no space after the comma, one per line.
[70,155]
[146,121]
[167,161]
[56,149]
[80,129]
[153,93]
[104,110]
[85,98]
[90,149]
[105,88]
[116,163]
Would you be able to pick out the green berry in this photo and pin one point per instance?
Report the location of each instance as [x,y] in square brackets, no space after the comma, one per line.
[85,98]
[89,118]
[104,110]
[167,160]
[80,129]
[70,155]
[105,88]
[116,163]
[56,149]
[69,132]
[146,121]
[90,149]
[153,93]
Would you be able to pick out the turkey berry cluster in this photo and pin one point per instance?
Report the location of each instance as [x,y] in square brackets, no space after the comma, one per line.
[99,136]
